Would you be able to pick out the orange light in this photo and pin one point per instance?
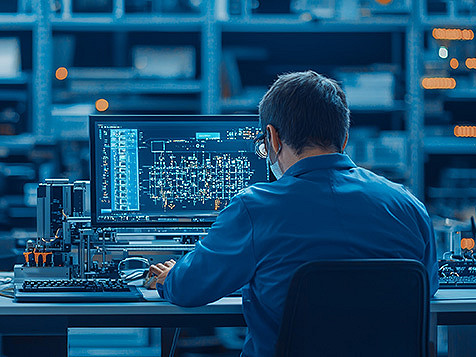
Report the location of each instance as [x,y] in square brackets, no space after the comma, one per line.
[470,63]
[465,131]
[384,2]
[61,73]
[467,243]
[438,83]
[102,105]
[454,63]
[453,34]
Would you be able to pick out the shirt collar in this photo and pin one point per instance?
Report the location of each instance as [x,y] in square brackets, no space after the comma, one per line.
[320,162]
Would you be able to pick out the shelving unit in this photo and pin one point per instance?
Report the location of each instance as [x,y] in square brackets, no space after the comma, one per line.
[52,121]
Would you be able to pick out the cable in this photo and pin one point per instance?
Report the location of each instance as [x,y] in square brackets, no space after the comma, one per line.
[6,280]
[6,295]
[174,342]
[449,252]
[136,273]
[5,292]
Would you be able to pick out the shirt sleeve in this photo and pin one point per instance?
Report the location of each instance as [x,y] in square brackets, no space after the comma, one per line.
[221,263]
[430,261]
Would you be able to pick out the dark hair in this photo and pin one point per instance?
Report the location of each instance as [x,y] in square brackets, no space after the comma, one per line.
[308,110]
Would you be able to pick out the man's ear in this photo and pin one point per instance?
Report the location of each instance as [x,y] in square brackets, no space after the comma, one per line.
[273,138]
[345,141]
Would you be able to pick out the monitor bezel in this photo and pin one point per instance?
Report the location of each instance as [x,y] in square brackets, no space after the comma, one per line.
[93,119]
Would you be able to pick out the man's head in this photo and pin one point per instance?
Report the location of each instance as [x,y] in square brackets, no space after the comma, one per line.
[305,114]
[307,110]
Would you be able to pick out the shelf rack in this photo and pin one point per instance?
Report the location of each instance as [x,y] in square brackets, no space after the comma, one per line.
[42,22]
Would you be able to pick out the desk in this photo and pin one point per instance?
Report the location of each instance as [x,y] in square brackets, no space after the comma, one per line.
[35,321]
[455,307]
[449,307]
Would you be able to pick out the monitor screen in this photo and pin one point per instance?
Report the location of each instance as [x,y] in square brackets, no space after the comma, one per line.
[170,170]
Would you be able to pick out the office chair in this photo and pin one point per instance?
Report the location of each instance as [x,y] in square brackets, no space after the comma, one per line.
[356,308]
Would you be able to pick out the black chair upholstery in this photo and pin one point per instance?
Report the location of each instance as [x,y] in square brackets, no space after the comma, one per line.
[356,308]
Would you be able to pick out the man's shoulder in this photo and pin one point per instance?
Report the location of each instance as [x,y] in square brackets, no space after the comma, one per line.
[255,191]
[262,194]
[387,189]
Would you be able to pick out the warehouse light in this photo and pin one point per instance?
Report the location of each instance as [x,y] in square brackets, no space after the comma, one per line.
[443,52]
[438,83]
[453,34]
[61,73]
[102,105]
[470,63]
[454,63]
[465,131]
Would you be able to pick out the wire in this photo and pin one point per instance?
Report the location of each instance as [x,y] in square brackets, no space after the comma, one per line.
[174,342]
[6,280]
[6,295]
[139,271]
[136,274]
[449,252]
[5,292]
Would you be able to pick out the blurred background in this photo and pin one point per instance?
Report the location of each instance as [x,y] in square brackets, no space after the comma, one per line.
[407,67]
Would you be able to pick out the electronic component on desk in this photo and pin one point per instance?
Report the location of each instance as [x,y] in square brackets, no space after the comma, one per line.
[170,170]
[460,270]
[81,199]
[62,221]
[463,243]
[76,290]
[457,274]
[54,202]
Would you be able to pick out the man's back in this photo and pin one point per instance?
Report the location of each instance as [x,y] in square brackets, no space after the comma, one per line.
[324,207]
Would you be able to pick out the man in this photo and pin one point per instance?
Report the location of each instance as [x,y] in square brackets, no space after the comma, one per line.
[321,207]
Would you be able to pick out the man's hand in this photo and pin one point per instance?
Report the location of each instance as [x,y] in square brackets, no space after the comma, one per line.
[159,272]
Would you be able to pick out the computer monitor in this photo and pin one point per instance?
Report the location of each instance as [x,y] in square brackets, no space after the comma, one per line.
[170,170]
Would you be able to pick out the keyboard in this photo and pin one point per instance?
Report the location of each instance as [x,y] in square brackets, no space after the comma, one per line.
[458,282]
[457,274]
[76,290]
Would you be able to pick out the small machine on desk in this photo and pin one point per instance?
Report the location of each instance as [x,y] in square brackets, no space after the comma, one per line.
[459,271]
[157,185]
[69,260]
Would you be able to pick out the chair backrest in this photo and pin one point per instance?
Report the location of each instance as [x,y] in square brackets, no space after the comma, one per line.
[356,308]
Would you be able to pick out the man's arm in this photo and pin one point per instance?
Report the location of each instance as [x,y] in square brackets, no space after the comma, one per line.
[430,260]
[425,226]
[221,263]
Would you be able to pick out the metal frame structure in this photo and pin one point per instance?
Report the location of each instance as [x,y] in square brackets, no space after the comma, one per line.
[42,22]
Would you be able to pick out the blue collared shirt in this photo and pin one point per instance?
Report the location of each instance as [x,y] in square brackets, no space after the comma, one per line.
[324,207]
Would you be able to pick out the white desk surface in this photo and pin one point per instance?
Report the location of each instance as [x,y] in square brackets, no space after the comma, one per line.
[454,300]
[229,305]
[445,300]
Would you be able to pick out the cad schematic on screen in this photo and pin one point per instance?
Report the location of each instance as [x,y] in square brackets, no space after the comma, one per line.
[160,171]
